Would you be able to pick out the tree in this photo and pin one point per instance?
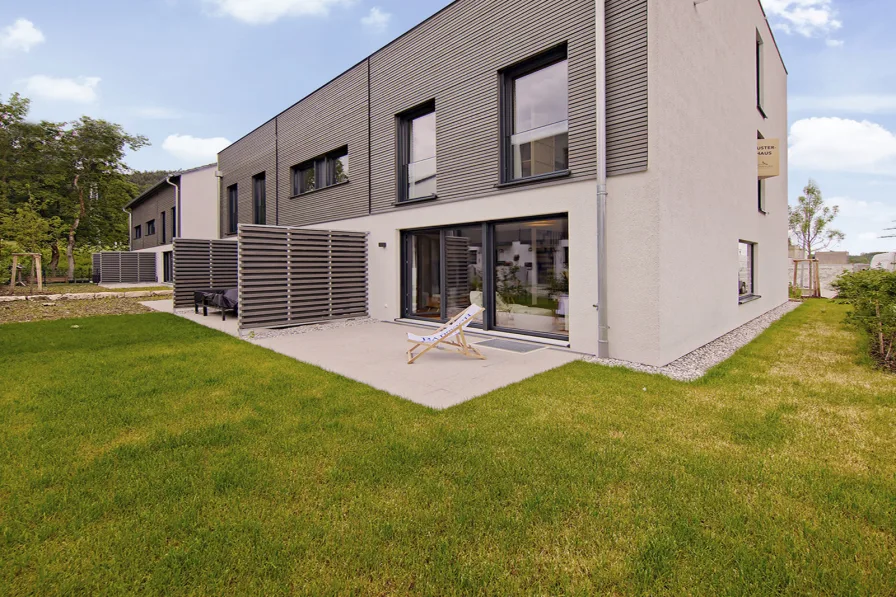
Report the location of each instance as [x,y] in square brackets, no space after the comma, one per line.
[92,155]
[810,221]
[72,175]
[145,180]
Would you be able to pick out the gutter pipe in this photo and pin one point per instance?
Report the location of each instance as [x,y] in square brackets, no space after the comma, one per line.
[603,340]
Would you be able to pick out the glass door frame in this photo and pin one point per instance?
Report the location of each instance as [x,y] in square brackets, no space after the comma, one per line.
[489,317]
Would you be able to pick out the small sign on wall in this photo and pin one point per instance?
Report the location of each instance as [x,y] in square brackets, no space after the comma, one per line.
[768,152]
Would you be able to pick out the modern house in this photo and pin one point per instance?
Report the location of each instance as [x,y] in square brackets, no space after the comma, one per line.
[184,204]
[609,176]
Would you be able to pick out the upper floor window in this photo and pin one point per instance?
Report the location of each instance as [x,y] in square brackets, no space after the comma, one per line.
[259,208]
[535,116]
[163,229]
[417,153]
[151,227]
[760,91]
[232,209]
[324,171]
[173,222]
[138,232]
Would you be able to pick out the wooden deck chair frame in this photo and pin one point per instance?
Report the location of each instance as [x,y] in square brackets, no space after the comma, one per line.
[459,340]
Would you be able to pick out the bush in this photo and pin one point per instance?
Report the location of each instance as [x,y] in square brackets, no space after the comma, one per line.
[872,294]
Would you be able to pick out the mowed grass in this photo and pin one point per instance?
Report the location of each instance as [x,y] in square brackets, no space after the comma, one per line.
[145,454]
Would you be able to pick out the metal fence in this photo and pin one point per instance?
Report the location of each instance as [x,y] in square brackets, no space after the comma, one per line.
[200,264]
[124,267]
[292,276]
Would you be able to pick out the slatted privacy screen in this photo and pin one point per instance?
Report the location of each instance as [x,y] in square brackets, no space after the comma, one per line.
[627,115]
[200,264]
[293,276]
[124,267]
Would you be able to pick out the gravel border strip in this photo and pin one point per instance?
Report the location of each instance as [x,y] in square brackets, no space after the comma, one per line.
[80,296]
[694,365]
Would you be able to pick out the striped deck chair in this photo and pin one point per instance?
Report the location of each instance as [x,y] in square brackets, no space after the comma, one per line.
[451,334]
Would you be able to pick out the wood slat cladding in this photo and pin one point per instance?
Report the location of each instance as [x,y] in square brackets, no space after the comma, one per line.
[253,154]
[124,267]
[332,117]
[152,208]
[454,58]
[293,276]
[200,264]
[627,110]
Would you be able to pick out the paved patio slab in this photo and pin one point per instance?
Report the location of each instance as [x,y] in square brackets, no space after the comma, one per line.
[374,354]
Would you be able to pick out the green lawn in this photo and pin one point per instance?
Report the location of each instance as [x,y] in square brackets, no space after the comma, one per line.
[145,454]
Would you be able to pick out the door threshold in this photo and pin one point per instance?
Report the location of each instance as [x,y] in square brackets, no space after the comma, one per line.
[489,333]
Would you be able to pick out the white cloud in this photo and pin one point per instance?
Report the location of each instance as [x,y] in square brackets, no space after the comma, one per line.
[20,36]
[835,43]
[809,18]
[841,145]
[257,12]
[377,20]
[194,149]
[82,90]
[855,104]
[157,113]
[868,236]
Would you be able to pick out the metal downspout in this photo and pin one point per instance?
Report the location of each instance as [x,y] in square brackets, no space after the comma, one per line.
[603,336]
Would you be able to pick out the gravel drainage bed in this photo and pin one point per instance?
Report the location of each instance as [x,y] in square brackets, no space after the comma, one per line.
[694,365]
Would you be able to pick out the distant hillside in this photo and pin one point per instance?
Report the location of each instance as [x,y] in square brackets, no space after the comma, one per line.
[863,258]
[145,180]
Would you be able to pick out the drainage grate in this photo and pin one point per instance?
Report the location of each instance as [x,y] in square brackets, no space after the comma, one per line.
[510,345]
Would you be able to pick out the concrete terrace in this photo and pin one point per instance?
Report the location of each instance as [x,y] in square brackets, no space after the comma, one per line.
[374,354]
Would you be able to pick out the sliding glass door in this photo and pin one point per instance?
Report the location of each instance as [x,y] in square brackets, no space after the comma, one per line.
[517,270]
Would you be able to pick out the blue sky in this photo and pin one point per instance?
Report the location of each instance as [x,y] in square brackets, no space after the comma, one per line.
[194,74]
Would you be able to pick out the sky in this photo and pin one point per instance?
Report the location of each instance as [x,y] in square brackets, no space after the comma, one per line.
[195,75]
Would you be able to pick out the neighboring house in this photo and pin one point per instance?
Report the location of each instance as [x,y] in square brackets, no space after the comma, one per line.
[470,149]
[183,204]
[833,257]
[885,261]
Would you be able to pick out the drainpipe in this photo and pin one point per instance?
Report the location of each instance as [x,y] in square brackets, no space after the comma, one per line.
[130,228]
[603,336]
[177,204]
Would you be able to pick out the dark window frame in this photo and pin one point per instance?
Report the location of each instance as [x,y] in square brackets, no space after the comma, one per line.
[506,78]
[173,222]
[138,232]
[151,227]
[752,294]
[489,317]
[163,214]
[232,209]
[760,74]
[259,199]
[403,149]
[324,167]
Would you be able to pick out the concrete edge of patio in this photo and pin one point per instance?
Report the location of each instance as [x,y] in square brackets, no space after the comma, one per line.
[80,296]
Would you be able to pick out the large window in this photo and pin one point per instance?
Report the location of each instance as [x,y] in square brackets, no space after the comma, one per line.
[138,232]
[150,227]
[417,153]
[232,209]
[746,274]
[517,270]
[324,171]
[259,214]
[535,117]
